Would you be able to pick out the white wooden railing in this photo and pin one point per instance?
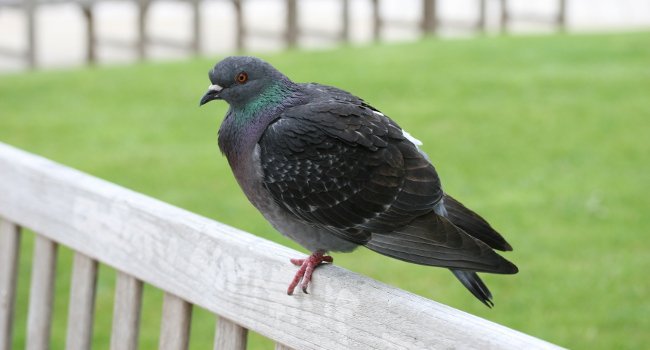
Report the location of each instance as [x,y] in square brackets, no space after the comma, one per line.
[197,261]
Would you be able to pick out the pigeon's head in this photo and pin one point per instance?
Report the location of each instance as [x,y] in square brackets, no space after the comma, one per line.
[241,79]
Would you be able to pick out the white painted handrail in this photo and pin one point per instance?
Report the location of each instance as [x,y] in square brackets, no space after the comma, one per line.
[232,273]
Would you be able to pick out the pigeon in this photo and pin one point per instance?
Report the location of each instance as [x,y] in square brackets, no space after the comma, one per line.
[333,173]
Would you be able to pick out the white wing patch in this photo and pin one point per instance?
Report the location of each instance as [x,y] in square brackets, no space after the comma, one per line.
[411,138]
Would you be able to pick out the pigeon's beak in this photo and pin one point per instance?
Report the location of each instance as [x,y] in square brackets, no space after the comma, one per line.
[212,94]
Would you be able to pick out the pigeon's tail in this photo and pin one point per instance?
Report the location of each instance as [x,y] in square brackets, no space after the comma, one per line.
[473,224]
[475,285]
[433,240]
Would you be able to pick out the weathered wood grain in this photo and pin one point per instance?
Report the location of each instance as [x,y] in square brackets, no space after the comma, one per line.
[229,272]
[126,312]
[9,252]
[81,310]
[230,336]
[41,294]
[175,323]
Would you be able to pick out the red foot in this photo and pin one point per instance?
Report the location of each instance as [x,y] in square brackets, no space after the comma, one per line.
[306,269]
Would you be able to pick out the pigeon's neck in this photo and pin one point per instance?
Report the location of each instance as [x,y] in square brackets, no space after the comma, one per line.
[245,124]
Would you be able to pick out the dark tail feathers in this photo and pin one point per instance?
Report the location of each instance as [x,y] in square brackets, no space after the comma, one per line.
[474,224]
[475,285]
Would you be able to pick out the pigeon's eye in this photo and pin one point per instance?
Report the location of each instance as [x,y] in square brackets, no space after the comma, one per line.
[242,77]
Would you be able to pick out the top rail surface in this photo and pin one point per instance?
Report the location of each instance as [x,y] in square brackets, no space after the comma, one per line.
[230,272]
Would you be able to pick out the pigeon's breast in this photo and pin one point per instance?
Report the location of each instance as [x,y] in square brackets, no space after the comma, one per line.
[249,175]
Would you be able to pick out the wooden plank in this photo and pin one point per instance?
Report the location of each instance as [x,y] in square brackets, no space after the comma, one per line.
[175,323]
[264,34]
[169,42]
[81,310]
[116,43]
[4,51]
[9,252]
[230,272]
[126,313]
[41,294]
[230,336]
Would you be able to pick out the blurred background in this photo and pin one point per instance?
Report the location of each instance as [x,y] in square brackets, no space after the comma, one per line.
[536,114]
[61,33]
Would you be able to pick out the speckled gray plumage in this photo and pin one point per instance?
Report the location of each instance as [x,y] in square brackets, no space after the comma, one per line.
[332,173]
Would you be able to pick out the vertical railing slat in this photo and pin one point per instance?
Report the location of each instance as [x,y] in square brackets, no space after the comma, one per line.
[41,294]
[279,346]
[126,313]
[9,252]
[230,336]
[81,310]
[175,323]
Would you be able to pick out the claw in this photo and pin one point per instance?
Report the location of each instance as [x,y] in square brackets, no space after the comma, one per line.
[306,270]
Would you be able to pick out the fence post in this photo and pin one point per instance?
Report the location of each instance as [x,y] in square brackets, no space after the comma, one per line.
[561,16]
[30,16]
[87,9]
[505,17]
[345,21]
[239,24]
[429,24]
[376,20]
[143,6]
[196,27]
[292,23]
[481,23]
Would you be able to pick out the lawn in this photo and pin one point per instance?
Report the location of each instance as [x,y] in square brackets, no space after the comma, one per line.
[547,137]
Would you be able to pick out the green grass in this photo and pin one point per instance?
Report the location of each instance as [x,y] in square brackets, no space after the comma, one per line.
[547,137]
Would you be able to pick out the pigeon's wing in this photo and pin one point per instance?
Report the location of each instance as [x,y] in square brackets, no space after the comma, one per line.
[346,167]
